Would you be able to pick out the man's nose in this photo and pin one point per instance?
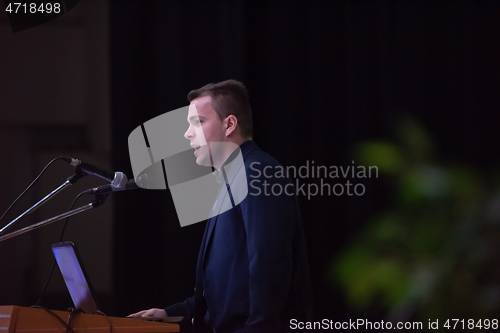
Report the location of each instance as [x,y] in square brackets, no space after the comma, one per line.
[188,135]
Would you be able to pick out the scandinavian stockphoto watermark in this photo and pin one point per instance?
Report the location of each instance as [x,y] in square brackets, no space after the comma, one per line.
[162,157]
[310,180]
[366,325]
[357,324]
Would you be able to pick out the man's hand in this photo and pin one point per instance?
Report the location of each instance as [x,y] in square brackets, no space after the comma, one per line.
[159,313]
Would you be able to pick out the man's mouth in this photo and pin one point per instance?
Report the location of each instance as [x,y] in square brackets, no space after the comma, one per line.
[196,148]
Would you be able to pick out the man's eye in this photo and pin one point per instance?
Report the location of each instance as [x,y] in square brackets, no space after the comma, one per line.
[198,122]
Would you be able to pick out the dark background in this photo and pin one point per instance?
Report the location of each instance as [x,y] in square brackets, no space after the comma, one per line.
[323,76]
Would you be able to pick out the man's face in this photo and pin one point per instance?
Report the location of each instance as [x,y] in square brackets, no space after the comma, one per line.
[205,130]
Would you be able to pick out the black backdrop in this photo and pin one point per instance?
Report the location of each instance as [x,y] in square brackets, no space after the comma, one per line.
[322,77]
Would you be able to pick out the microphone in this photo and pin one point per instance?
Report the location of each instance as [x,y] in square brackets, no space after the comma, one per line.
[105,189]
[117,179]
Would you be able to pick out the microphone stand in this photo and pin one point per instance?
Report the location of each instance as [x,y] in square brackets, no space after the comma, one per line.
[70,181]
[99,200]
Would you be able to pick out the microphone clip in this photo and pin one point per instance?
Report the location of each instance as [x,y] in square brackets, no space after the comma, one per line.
[79,174]
[99,198]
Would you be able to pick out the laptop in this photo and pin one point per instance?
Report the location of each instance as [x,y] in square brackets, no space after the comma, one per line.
[75,276]
[78,283]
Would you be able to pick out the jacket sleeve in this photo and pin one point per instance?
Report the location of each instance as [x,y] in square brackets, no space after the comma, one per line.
[269,215]
[185,309]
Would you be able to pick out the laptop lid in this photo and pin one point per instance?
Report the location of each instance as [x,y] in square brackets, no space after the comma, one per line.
[75,276]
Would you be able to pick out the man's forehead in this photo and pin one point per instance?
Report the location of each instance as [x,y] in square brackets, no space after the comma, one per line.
[192,111]
[201,106]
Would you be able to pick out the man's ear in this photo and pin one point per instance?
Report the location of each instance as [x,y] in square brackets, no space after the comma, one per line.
[230,124]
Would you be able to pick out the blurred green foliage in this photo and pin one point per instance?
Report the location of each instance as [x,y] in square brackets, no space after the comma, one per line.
[435,253]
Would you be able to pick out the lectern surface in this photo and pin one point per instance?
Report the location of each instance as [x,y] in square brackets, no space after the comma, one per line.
[24,320]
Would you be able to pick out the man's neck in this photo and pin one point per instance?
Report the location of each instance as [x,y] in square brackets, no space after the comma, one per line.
[228,152]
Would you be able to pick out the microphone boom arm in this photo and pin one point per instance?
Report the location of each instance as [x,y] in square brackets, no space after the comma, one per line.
[38,204]
[70,181]
[99,201]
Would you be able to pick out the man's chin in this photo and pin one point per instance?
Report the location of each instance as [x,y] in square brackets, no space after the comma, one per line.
[203,162]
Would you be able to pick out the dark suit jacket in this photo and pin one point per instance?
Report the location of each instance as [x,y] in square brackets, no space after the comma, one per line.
[252,272]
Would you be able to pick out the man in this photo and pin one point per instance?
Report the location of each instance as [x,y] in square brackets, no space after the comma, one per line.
[252,272]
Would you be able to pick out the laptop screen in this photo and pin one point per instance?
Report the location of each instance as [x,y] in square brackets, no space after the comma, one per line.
[75,277]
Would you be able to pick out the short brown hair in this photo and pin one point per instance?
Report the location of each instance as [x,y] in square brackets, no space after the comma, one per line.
[229,97]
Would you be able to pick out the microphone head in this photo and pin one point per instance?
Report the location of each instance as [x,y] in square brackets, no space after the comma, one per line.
[120,180]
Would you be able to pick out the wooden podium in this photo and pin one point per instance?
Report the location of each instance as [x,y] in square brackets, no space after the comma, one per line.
[34,320]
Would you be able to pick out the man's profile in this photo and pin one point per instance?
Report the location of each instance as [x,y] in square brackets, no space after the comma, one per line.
[252,273]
